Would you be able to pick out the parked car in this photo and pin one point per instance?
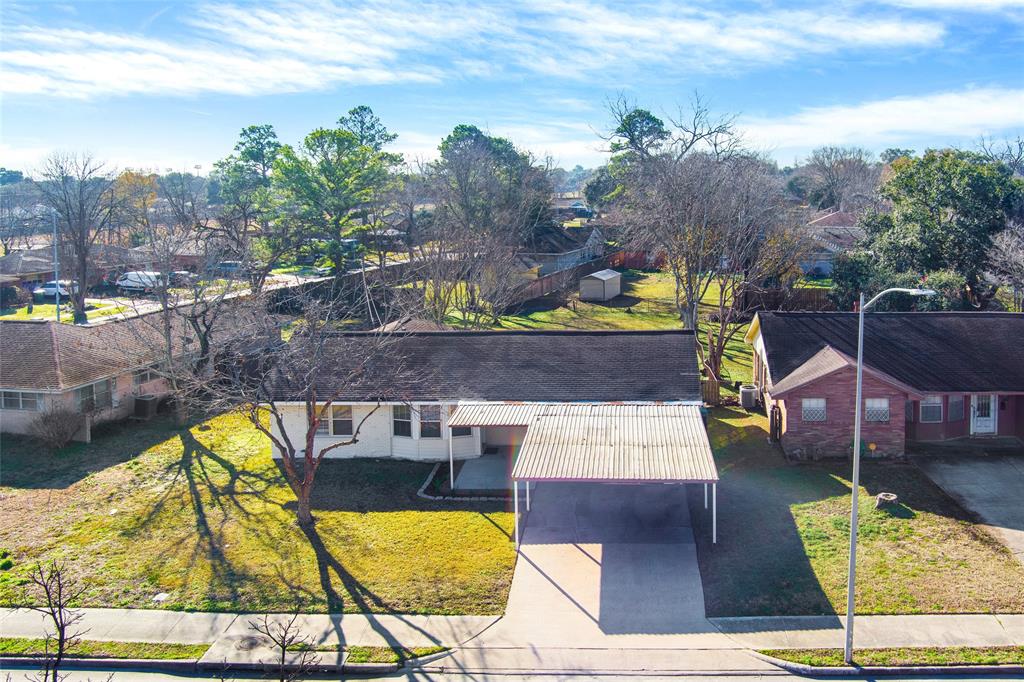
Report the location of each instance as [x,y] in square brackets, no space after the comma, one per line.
[138,282]
[229,268]
[181,278]
[49,289]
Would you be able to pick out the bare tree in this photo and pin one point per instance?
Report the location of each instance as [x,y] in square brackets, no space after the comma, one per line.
[761,247]
[843,178]
[1010,152]
[18,214]
[55,590]
[79,188]
[288,642]
[489,200]
[1006,258]
[670,180]
[287,388]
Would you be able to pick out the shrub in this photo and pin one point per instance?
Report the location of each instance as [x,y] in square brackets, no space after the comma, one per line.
[55,427]
[13,297]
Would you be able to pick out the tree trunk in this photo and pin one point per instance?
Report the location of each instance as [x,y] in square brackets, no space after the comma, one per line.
[303,511]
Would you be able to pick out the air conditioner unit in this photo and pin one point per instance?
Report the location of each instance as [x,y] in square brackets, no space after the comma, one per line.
[145,407]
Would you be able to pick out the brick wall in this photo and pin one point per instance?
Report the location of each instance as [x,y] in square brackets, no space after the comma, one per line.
[834,436]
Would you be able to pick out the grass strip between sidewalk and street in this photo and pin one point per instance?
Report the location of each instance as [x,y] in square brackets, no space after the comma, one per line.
[377,654]
[86,648]
[904,656]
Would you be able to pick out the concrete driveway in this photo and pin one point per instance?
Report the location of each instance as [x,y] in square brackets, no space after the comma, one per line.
[992,487]
[607,579]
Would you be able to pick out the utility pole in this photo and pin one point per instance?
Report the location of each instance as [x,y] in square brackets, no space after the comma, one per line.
[56,261]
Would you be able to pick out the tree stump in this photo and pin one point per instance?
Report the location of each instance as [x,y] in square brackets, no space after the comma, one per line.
[883,500]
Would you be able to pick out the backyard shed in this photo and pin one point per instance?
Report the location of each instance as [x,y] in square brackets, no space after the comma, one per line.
[603,285]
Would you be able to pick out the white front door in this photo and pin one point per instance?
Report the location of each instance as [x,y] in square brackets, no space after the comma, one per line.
[983,414]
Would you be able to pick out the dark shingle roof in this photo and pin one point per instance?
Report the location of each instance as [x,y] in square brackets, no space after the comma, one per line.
[944,351]
[557,366]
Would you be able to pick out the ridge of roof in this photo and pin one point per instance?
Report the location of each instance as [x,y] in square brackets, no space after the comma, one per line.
[55,349]
[526,332]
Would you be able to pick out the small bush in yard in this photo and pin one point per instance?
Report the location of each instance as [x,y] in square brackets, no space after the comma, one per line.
[55,427]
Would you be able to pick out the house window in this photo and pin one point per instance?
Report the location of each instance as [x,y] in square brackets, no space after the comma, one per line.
[459,431]
[931,409]
[323,427]
[876,409]
[401,418]
[95,396]
[430,421]
[813,409]
[20,400]
[956,408]
[145,375]
[341,420]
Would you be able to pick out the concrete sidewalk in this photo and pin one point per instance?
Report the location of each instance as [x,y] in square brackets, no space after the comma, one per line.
[142,625]
[813,632]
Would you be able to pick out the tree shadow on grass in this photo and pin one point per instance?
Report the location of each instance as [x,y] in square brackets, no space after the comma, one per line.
[27,464]
[760,564]
[199,469]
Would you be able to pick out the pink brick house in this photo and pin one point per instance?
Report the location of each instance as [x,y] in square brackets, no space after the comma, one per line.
[928,377]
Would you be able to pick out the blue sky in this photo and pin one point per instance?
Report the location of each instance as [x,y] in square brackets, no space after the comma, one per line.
[151,84]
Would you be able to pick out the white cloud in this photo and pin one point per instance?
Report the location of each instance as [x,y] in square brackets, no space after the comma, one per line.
[940,117]
[959,5]
[253,49]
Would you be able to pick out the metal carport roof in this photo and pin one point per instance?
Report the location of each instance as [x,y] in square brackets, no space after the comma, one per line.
[617,443]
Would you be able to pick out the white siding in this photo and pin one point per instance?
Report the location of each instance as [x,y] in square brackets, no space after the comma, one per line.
[376,437]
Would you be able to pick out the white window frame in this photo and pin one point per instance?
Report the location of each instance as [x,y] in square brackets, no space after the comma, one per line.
[873,410]
[804,409]
[395,420]
[930,401]
[432,408]
[20,398]
[90,403]
[144,375]
[334,418]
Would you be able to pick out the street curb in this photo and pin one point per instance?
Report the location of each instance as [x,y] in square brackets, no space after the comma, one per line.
[178,665]
[845,671]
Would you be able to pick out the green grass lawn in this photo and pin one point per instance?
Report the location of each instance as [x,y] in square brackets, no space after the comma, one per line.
[19,646]
[783,533]
[48,311]
[647,302]
[375,654]
[915,656]
[206,516]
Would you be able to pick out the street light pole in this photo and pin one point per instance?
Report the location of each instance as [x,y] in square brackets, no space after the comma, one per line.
[855,482]
[56,262]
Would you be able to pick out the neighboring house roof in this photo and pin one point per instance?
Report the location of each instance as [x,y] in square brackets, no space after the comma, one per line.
[412,324]
[603,275]
[559,366]
[835,219]
[931,352]
[48,356]
[836,239]
[40,260]
[825,362]
[557,240]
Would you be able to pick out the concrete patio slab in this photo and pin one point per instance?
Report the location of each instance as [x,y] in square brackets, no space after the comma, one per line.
[489,472]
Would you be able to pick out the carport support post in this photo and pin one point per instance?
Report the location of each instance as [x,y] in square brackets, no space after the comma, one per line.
[515,509]
[527,496]
[714,513]
[705,495]
[451,461]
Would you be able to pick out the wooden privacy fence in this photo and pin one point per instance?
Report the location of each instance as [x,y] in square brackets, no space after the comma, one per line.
[785,299]
[564,279]
[711,391]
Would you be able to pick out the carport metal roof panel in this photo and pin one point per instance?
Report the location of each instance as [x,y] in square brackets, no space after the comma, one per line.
[494,414]
[624,443]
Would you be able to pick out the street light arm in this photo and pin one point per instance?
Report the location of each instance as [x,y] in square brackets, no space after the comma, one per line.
[901,290]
